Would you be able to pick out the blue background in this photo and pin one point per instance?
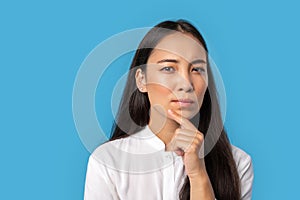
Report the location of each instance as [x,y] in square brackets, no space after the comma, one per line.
[42,45]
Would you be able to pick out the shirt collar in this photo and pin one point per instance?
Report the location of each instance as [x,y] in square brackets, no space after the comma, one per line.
[151,138]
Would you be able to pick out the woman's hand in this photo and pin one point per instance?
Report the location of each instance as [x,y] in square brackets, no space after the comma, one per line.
[187,142]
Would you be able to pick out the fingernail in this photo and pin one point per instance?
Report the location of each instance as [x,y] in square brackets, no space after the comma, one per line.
[170,111]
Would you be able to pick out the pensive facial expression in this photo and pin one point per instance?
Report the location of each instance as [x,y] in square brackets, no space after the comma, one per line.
[176,75]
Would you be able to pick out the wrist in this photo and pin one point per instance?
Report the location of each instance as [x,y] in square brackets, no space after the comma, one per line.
[200,184]
[200,176]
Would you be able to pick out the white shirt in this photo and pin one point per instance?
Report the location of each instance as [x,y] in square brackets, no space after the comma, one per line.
[138,167]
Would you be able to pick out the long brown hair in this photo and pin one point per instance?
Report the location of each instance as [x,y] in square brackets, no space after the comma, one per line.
[134,107]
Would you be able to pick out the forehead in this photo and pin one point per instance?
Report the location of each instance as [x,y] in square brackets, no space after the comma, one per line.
[180,45]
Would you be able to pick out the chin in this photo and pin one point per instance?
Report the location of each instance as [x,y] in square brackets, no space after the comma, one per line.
[188,114]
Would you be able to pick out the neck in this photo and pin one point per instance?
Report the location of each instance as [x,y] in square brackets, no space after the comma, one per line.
[163,127]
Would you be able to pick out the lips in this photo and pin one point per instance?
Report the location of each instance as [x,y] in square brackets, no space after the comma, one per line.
[183,101]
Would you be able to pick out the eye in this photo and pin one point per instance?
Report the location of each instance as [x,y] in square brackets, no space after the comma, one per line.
[199,69]
[167,69]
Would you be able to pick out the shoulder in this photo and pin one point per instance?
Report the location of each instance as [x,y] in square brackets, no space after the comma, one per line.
[105,158]
[106,151]
[123,154]
[245,170]
[243,161]
[240,156]
[138,153]
[141,142]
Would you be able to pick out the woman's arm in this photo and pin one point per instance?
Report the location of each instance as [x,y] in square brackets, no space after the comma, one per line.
[201,187]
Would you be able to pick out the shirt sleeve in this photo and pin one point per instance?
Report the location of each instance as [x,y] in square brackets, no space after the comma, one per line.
[97,184]
[245,170]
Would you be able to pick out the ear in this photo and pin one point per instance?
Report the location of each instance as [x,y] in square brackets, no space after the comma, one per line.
[140,80]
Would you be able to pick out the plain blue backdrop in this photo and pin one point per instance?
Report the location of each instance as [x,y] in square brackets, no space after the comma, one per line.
[42,45]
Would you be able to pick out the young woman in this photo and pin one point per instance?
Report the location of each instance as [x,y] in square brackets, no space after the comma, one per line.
[168,140]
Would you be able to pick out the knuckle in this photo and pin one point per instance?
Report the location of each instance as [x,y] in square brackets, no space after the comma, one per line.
[200,136]
[177,131]
[193,147]
[197,142]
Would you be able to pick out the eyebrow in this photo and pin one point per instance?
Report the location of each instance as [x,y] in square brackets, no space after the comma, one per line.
[198,61]
[168,60]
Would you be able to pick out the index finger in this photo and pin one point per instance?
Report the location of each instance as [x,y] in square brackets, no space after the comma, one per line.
[180,120]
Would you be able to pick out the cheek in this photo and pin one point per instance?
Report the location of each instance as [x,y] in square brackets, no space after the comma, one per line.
[157,93]
[159,87]
[200,92]
[200,85]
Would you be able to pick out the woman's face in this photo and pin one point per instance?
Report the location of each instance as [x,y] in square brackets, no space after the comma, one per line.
[176,75]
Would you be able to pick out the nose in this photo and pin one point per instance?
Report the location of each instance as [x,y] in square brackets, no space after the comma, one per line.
[185,82]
